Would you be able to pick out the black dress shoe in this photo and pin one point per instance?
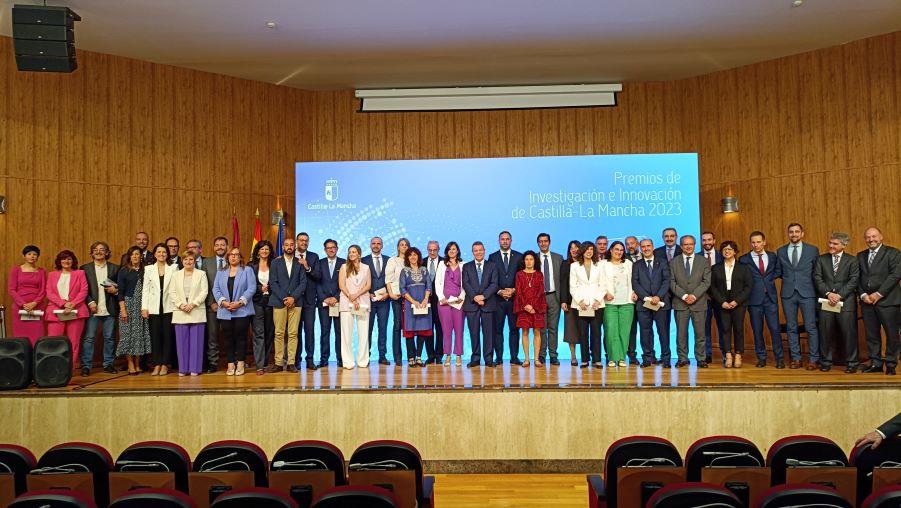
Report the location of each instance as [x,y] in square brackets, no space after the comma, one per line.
[491,364]
[322,365]
[851,370]
[384,362]
[681,363]
[85,371]
[889,371]
[872,369]
[211,370]
[645,364]
[311,365]
[825,368]
[472,364]
[702,365]
[291,368]
[109,369]
[633,360]
[761,363]
[780,364]
[517,361]
[708,359]
[554,362]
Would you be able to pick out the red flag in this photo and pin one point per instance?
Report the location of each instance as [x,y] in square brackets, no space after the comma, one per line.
[236,235]
[257,231]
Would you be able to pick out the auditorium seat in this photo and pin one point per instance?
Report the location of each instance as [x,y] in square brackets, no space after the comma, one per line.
[225,466]
[357,496]
[18,461]
[692,495]
[649,463]
[393,463]
[86,468]
[886,497]
[876,468]
[786,496]
[811,459]
[257,497]
[153,498]
[306,469]
[53,499]
[167,463]
[730,461]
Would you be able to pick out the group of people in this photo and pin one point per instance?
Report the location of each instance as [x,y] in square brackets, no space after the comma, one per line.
[610,295]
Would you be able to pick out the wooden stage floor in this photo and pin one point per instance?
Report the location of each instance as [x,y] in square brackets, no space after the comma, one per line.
[379,378]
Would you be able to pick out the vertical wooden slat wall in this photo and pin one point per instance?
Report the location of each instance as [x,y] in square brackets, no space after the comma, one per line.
[123,145]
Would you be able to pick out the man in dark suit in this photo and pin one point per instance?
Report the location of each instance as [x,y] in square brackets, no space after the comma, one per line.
[507,262]
[669,250]
[712,256]
[142,241]
[376,262]
[287,282]
[306,338]
[431,263]
[880,300]
[796,262]
[836,276]
[172,247]
[327,291]
[888,430]
[633,253]
[689,281]
[210,267]
[762,305]
[651,279]
[104,306]
[480,285]
[550,264]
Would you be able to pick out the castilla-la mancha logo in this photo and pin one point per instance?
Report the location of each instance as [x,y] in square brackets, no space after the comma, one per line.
[331,189]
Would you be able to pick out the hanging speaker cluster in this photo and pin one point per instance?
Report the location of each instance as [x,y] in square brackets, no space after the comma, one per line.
[44,38]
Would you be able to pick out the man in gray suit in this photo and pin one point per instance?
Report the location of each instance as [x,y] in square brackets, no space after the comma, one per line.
[880,300]
[836,275]
[210,266]
[690,278]
[550,263]
[796,262]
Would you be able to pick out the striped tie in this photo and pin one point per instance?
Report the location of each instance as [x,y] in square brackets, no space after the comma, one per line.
[872,257]
[835,259]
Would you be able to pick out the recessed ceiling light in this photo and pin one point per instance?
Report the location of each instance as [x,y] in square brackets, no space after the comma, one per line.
[797,3]
[272,24]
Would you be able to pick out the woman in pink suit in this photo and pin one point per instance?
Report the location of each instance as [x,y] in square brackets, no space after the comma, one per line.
[27,287]
[67,289]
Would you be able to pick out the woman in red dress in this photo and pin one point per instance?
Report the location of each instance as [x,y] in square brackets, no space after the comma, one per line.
[529,304]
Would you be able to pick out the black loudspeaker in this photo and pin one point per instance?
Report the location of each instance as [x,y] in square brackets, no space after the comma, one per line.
[15,364]
[52,362]
[44,38]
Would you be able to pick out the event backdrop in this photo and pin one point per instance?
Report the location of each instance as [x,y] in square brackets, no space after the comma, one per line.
[464,200]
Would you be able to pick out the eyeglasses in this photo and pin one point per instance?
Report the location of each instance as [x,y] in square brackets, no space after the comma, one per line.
[171,246]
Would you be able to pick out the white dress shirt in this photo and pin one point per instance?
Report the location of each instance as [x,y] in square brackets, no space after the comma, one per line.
[101,271]
[729,268]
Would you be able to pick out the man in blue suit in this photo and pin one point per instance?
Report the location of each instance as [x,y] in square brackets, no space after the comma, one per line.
[480,285]
[762,304]
[507,262]
[651,279]
[308,260]
[796,262]
[327,292]
[287,282]
[376,262]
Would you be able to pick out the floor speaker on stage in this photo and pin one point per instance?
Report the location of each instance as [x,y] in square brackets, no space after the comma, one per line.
[52,362]
[44,38]
[15,363]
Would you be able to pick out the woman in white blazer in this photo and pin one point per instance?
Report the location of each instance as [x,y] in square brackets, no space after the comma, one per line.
[156,308]
[450,294]
[188,291]
[588,285]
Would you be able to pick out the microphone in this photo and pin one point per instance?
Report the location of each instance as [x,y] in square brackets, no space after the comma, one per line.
[226,456]
[813,463]
[730,455]
[144,463]
[304,465]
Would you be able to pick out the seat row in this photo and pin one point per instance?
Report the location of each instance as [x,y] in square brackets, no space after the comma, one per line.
[639,468]
[384,473]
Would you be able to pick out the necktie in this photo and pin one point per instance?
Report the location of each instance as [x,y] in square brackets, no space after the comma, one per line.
[709,259]
[688,266]
[650,266]
[221,264]
[835,259]
[794,255]
[546,268]
[760,264]
[669,253]
[872,257]
[506,261]
[479,271]
[199,263]
[377,261]
[331,268]
[432,269]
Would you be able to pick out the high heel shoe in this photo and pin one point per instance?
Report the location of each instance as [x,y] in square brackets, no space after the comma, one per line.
[727,361]
[447,361]
[736,361]
[525,363]
[459,361]
[622,363]
[231,370]
[239,371]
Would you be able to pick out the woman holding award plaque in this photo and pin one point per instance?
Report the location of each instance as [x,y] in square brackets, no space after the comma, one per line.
[417,320]
[449,290]
[354,281]
[530,305]
[28,288]
[620,304]
[587,285]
